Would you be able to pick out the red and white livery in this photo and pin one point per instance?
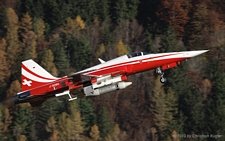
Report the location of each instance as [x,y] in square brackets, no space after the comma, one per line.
[38,85]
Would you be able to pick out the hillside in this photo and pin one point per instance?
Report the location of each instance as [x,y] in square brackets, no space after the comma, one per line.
[67,36]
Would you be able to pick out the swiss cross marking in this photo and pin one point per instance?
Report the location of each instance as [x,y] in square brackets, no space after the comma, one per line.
[25,82]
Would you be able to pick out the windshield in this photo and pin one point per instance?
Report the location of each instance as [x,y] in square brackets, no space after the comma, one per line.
[135,54]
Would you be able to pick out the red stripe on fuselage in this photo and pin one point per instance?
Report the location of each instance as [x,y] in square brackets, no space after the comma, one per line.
[137,61]
[137,67]
[126,66]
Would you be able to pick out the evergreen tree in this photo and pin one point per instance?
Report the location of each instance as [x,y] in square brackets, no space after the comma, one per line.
[40,31]
[100,50]
[48,109]
[25,6]
[79,52]
[4,69]
[94,133]
[38,9]
[108,36]
[121,49]
[88,9]
[47,62]
[123,9]
[23,124]
[215,106]
[149,42]
[70,124]
[168,41]
[61,62]
[42,114]
[198,26]
[117,134]
[72,27]
[104,122]
[52,128]
[13,49]
[189,98]
[5,121]
[56,12]
[22,138]
[39,27]
[87,113]
[103,10]
[27,37]
[164,108]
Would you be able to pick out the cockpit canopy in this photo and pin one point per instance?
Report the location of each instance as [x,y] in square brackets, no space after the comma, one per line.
[135,54]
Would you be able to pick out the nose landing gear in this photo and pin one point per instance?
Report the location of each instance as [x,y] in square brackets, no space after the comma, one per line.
[161,73]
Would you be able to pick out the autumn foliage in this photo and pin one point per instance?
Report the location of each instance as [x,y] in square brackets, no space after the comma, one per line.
[68,36]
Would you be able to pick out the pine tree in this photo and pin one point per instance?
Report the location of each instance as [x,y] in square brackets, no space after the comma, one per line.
[4,70]
[56,12]
[23,123]
[169,42]
[22,138]
[87,113]
[88,9]
[52,107]
[51,127]
[164,107]
[100,50]
[13,49]
[5,121]
[198,26]
[121,49]
[73,26]
[122,10]
[117,134]
[94,133]
[71,30]
[149,42]
[79,52]
[28,37]
[103,10]
[38,9]
[189,98]
[215,104]
[47,62]
[61,62]
[39,27]
[70,123]
[104,122]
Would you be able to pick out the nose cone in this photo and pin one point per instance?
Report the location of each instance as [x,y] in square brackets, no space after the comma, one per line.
[195,53]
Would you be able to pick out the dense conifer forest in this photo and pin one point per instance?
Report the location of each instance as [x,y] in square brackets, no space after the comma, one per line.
[66,36]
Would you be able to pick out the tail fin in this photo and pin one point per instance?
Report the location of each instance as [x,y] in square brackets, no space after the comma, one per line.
[33,75]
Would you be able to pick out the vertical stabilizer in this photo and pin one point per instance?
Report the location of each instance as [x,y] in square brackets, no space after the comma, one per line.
[33,75]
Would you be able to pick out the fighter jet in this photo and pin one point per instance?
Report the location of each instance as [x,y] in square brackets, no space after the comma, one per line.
[38,85]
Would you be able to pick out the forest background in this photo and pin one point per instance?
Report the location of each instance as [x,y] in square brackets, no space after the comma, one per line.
[68,36]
